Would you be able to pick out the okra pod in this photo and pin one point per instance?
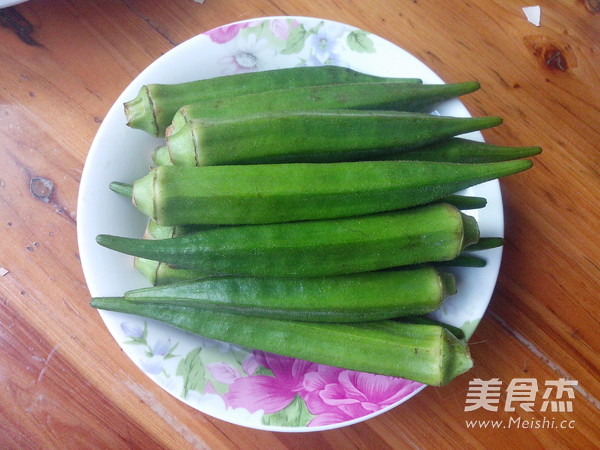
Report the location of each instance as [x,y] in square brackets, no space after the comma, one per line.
[155,104]
[311,136]
[160,274]
[269,193]
[399,96]
[314,248]
[344,298]
[453,150]
[429,354]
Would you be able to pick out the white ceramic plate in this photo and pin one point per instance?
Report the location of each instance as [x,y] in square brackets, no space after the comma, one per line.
[240,385]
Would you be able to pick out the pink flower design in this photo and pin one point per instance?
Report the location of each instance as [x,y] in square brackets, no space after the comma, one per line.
[223,372]
[280,28]
[337,395]
[269,393]
[226,33]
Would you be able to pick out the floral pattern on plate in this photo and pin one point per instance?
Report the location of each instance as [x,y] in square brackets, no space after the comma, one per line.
[252,45]
[263,387]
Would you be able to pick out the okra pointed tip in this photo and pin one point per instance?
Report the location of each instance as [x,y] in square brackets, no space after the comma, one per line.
[492,121]
[109,241]
[486,243]
[469,86]
[107,303]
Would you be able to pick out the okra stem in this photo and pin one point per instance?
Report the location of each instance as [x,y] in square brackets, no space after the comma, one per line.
[470,230]
[124,189]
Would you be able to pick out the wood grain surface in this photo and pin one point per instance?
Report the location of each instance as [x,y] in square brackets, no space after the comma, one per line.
[64,382]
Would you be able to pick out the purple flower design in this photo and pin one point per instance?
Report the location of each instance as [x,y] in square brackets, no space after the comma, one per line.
[132,330]
[266,392]
[152,365]
[226,33]
[326,45]
[161,347]
[336,395]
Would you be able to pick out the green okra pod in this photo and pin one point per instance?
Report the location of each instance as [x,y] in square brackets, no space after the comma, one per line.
[160,274]
[399,96]
[311,136]
[344,298]
[453,150]
[314,248]
[428,354]
[152,110]
[268,193]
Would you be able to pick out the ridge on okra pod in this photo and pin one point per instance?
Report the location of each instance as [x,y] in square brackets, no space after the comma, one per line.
[153,108]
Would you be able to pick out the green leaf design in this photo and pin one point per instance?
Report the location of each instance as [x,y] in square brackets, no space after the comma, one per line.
[359,41]
[136,341]
[192,371]
[170,354]
[260,370]
[295,42]
[295,414]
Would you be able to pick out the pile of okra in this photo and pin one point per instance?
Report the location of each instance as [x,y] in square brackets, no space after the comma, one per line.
[311,212]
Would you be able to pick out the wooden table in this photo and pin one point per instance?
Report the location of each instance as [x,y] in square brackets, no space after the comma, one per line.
[64,381]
